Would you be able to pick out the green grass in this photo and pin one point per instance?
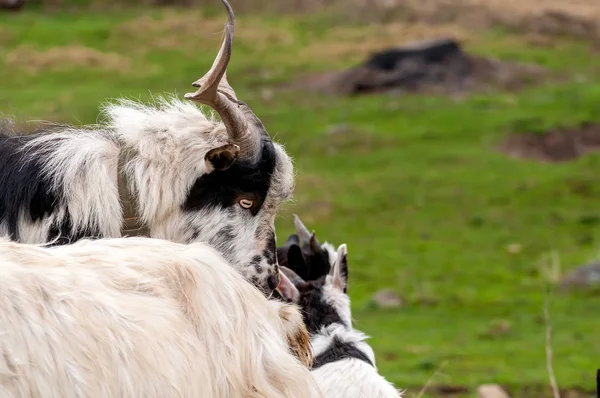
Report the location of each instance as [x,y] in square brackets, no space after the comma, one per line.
[413,185]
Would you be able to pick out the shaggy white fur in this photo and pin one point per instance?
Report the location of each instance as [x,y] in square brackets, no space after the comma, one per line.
[140,317]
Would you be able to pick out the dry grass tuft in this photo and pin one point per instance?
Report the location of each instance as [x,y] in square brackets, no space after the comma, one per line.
[64,58]
[175,29]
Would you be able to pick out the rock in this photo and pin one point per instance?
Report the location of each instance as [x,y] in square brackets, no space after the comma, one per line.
[491,391]
[582,277]
[267,94]
[387,298]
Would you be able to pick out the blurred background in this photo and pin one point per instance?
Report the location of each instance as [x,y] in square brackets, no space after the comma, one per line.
[450,143]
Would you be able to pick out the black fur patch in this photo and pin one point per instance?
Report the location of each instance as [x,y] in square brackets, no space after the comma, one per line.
[339,350]
[316,312]
[224,189]
[25,188]
[22,185]
[65,233]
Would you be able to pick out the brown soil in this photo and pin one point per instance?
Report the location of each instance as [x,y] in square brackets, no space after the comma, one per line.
[486,74]
[554,18]
[558,145]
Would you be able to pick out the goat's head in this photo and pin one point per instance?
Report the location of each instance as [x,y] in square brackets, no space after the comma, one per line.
[250,176]
[303,253]
[323,298]
[228,178]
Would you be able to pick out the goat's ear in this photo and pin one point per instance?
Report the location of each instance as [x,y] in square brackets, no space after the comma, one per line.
[296,261]
[287,289]
[339,270]
[222,158]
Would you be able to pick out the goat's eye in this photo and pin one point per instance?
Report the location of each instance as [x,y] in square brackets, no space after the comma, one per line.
[246,204]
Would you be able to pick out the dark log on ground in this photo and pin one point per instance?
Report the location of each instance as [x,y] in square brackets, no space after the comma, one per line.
[437,66]
[409,67]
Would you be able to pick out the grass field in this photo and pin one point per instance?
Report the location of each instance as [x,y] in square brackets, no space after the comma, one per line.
[469,238]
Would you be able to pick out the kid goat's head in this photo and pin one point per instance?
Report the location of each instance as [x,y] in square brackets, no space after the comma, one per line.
[229,178]
[316,278]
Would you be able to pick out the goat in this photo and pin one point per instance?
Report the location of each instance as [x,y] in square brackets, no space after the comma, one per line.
[344,364]
[166,171]
[141,317]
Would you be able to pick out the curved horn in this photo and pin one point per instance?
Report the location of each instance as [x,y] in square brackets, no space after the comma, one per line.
[292,276]
[301,230]
[243,127]
[313,243]
[305,236]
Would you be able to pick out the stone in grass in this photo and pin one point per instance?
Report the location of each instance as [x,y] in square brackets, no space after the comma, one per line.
[491,391]
[586,276]
[387,298]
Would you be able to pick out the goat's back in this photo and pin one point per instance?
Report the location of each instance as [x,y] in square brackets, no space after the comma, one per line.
[138,317]
[353,378]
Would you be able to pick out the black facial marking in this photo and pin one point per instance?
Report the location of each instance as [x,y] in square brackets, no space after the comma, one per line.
[339,350]
[224,188]
[316,312]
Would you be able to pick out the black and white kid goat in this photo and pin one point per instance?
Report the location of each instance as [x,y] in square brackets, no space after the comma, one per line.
[167,171]
[315,277]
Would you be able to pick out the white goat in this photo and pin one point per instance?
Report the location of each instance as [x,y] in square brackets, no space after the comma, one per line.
[168,172]
[344,365]
[141,317]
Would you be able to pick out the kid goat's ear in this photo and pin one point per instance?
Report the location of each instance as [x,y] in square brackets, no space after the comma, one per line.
[296,261]
[287,289]
[339,271]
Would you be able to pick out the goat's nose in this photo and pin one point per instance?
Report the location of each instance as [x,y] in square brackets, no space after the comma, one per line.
[273,281]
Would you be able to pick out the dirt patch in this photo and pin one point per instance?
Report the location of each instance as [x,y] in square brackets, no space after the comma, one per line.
[437,67]
[578,18]
[558,145]
[63,58]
